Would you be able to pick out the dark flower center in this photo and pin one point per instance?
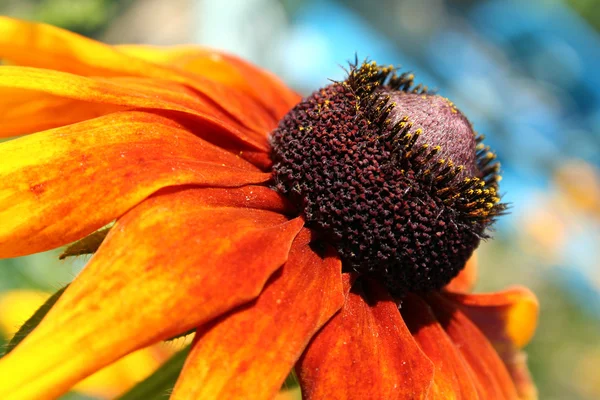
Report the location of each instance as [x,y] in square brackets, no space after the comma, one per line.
[393,177]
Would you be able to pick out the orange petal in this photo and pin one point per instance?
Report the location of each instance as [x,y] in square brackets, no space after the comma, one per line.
[516,364]
[453,379]
[492,379]
[38,89]
[508,319]
[260,197]
[18,305]
[63,184]
[248,353]
[365,352]
[465,280]
[223,68]
[27,111]
[45,46]
[168,265]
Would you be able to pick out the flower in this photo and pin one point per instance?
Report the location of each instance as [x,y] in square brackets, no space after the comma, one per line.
[319,234]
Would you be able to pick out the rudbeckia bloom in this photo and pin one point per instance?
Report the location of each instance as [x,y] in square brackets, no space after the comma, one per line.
[327,234]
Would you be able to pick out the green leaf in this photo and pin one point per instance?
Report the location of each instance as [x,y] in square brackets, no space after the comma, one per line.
[33,321]
[291,381]
[159,385]
[87,245]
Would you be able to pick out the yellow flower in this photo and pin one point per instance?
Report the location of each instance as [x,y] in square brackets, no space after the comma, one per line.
[286,231]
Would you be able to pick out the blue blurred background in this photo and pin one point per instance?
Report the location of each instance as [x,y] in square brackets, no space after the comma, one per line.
[527,74]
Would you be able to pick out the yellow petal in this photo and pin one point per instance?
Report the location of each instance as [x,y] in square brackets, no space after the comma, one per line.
[17,306]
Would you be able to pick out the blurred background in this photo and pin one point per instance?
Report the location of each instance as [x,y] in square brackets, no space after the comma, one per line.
[527,74]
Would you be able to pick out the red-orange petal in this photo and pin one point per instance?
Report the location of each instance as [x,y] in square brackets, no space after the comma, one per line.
[250,196]
[248,353]
[516,364]
[174,93]
[508,319]
[63,184]
[365,352]
[45,46]
[26,111]
[224,68]
[168,265]
[452,379]
[465,280]
[37,89]
[492,379]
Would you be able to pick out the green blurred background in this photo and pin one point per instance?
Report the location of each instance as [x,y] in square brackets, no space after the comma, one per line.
[525,72]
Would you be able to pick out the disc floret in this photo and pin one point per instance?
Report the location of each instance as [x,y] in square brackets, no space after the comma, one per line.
[391,175]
